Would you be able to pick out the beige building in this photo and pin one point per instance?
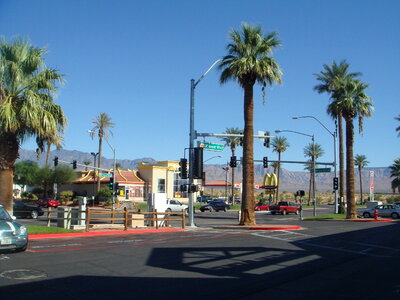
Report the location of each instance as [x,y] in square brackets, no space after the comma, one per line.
[163,177]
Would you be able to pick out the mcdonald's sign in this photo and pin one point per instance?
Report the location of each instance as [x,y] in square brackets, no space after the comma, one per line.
[270,181]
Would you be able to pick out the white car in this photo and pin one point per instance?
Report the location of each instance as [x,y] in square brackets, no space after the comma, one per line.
[175,206]
[384,210]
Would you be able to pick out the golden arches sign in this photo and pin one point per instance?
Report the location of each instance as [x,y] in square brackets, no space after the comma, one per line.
[270,180]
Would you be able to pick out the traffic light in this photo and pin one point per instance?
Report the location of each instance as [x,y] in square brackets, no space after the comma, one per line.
[267,140]
[183,173]
[198,163]
[265,162]
[241,141]
[232,163]
[111,184]
[183,188]
[56,161]
[74,164]
[335,183]
[194,188]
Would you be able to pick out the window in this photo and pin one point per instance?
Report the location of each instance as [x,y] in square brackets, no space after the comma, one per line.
[161,186]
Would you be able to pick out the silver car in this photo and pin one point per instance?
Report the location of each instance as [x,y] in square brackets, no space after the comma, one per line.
[13,235]
[384,210]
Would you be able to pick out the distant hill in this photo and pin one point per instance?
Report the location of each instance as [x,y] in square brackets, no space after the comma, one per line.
[291,181]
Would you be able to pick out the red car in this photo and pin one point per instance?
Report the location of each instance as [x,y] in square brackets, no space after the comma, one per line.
[259,207]
[48,203]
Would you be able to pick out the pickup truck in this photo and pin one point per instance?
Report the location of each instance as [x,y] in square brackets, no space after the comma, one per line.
[284,208]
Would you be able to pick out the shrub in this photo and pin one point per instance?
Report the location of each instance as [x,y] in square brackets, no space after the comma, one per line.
[29,196]
[104,193]
[393,199]
[66,196]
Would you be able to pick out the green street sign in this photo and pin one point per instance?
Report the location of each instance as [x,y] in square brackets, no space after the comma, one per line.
[105,175]
[211,146]
[322,170]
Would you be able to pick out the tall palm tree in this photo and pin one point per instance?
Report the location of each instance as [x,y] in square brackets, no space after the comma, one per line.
[313,151]
[395,173]
[249,62]
[102,125]
[86,163]
[398,128]
[279,145]
[361,162]
[27,107]
[275,166]
[232,142]
[353,102]
[331,79]
[56,140]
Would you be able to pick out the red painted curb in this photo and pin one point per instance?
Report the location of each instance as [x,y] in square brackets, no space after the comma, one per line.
[276,228]
[33,237]
[373,220]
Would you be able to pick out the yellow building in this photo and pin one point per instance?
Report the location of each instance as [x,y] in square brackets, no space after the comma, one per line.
[163,177]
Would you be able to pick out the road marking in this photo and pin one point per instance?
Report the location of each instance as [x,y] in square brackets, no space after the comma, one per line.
[283,235]
[3,257]
[54,246]
[23,274]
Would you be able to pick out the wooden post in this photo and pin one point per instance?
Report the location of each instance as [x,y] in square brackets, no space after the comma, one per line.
[183,218]
[156,216]
[87,218]
[112,216]
[126,218]
[48,216]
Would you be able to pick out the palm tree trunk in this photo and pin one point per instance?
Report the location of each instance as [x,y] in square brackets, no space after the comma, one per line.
[351,201]
[9,147]
[309,189]
[361,193]
[248,216]
[48,154]
[341,162]
[99,162]
[279,172]
[233,179]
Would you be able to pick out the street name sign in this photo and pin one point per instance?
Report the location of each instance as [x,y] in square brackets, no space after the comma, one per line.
[322,170]
[211,146]
[105,175]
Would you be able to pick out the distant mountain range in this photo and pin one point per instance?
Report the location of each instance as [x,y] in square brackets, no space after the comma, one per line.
[291,181]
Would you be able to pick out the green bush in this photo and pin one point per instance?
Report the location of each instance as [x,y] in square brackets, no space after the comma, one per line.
[66,196]
[38,191]
[29,196]
[104,193]
[393,199]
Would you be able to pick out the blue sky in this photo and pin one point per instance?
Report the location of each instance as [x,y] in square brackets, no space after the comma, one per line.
[134,61]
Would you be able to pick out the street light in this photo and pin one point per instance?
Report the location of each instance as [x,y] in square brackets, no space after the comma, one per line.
[192,137]
[334,135]
[219,156]
[313,163]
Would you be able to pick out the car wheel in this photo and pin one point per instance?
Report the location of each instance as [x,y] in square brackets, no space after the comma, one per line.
[225,209]
[187,211]
[284,212]
[395,215]
[34,214]
[272,212]
[367,215]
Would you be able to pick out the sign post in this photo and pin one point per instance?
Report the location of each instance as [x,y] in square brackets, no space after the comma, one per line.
[371,185]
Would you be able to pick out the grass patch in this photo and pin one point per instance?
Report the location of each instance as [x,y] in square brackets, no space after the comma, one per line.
[327,217]
[34,229]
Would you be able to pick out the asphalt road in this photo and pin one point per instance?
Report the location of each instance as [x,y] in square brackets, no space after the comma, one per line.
[325,260]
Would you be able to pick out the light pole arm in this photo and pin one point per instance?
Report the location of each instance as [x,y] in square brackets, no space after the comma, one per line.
[205,73]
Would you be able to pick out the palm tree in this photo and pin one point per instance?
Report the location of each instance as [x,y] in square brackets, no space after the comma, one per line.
[27,107]
[331,79]
[275,166]
[55,140]
[398,128]
[361,162]
[232,142]
[313,151]
[395,173]
[102,127]
[248,62]
[118,166]
[279,145]
[352,103]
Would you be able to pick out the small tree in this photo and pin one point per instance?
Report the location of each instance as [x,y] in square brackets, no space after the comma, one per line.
[25,173]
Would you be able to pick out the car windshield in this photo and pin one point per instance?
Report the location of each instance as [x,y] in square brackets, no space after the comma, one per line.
[4,214]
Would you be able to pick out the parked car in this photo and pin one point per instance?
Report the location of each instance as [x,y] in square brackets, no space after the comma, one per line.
[261,206]
[175,206]
[13,235]
[23,210]
[216,205]
[48,203]
[284,207]
[384,210]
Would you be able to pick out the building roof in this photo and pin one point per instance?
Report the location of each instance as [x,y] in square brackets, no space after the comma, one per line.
[122,177]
